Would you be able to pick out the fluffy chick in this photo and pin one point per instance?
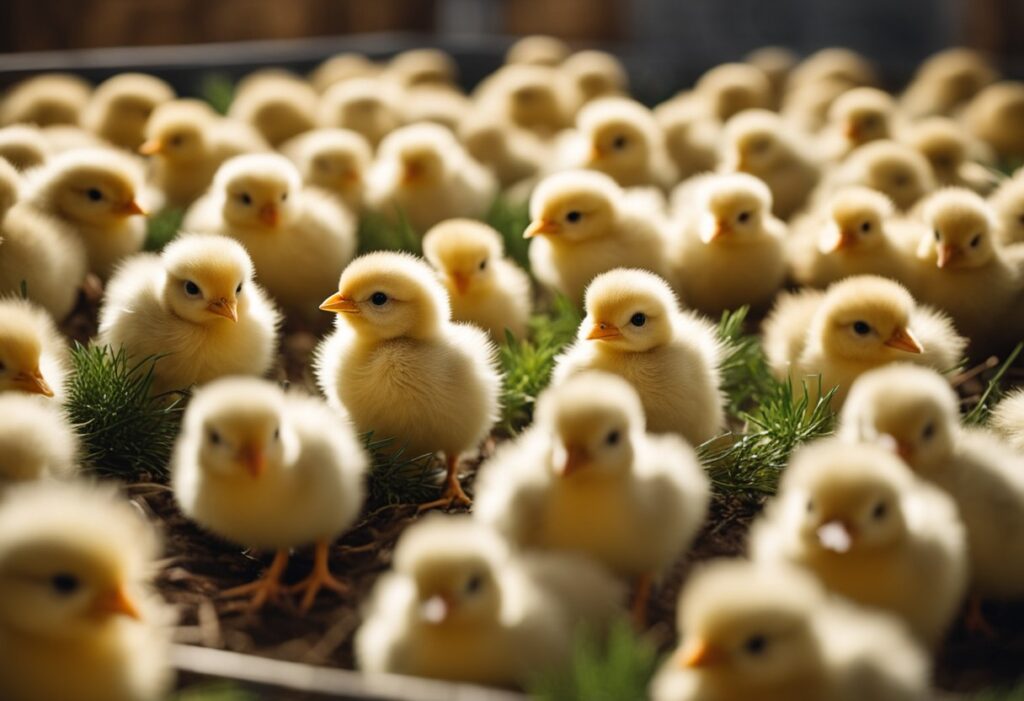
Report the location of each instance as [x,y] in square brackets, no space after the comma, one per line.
[833,64]
[1007,203]
[120,107]
[420,67]
[860,323]
[996,115]
[857,117]
[195,305]
[858,518]
[915,413]
[335,160]
[438,104]
[364,105]
[300,239]
[593,74]
[33,354]
[37,441]
[94,194]
[269,469]
[536,98]
[1008,419]
[691,139]
[584,225]
[731,251]
[460,605]
[776,62]
[78,621]
[340,68]
[513,154]
[401,368]
[806,108]
[945,81]
[635,329]
[538,50]
[45,100]
[484,287]
[895,169]
[754,631]
[423,174]
[951,153]
[24,146]
[277,104]
[730,88]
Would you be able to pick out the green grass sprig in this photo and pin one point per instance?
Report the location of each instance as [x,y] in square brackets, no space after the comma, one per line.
[378,232]
[510,220]
[746,377]
[397,478]
[162,227]
[994,390]
[217,90]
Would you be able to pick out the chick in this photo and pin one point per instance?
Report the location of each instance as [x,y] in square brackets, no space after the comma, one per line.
[996,115]
[189,142]
[436,104]
[759,143]
[120,107]
[460,605]
[402,369]
[587,478]
[34,356]
[850,235]
[37,257]
[593,74]
[731,88]
[424,175]
[419,67]
[1007,203]
[897,170]
[584,225]
[1008,419]
[753,631]
[266,469]
[731,251]
[340,68]
[828,339]
[635,329]
[805,108]
[335,160]
[537,98]
[833,64]
[364,105]
[300,239]
[484,287]
[36,441]
[951,153]
[78,621]
[915,413]
[857,117]
[538,50]
[197,307]
[691,139]
[776,62]
[513,154]
[945,81]
[23,146]
[277,104]
[93,194]
[45,100]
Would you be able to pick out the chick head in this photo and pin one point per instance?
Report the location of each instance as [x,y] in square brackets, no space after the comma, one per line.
[866,319]
[863,114]
[98,187]
[236,426]
[207,277]
[361,104]
[731,88]
[574,206]
[894,169]
[452,564]
[538,50]
[1008,205]
[388,295]
[10,186]
[961,227]
[856,220]
[943,142]
[958,72]
[749,624]
[595,419]
[421,153]
[595,74]
[755,141]
[23,146]
[73,560]
[418,67]
[23,330]
[908,408]
[833,64]
[36,439]
[259,191]
[122,105]
[733,208]
[620,131]
[177,130]
[531,98]
[464,251]
[629,311]
[335,159]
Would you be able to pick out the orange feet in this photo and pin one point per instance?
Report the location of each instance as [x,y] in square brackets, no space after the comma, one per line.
[267,588]
[453,490]
[318,579]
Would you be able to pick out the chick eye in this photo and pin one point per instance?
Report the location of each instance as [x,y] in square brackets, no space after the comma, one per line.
[94,194]
[483,264]
[573,217]
[474,584]
[64,584]
[245,198]
[284,196]
[929,431]
[755,644]
[638,319]
[861,328]
[176,140]
[619,143]
[901,180]
[976,241]
[379,299]
[866,227]
[214,437]
[760,145]
[192,289]
[277,433]
[810,506]
[743,217]
[238,290]
[2,366]
[613,438]
[880,511]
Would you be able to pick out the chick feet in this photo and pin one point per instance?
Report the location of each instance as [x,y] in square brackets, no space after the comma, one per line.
[267,588]
[319,578]
[453,492]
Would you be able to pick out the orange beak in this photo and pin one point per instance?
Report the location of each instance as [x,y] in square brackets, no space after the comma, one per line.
[116,602]
[576,459]
[699,655]
[721,229]
[603,331]
[254,459]
[743,163]
[461,282]
[596,153]
[437,608]
[412,172]
[541,227]
[902,448]
[270,215]
[224,307]
[852,131]
[350,178]
[845,241]
[902,339]
[836,536]
[32,382]
[151,147]
[340,304]
[130,208]
[947,255]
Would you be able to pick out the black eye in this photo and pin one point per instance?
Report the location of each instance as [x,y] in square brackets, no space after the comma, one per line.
[474,584]
[810,506]
[94,194]
[743,217]
[861,328]
[284,196]
[976,241]
[901,180]
[277,433]
[214,437]
[176,140]
[638,319]
[929,431]
[612,438]
[483,264]
[756,644]
[245,198]
[880,511]
[938,236]
[573,217]
[379,299]
[619,143]
[65,584]
[865,227]
[192,289]
[2,366]
[238,290]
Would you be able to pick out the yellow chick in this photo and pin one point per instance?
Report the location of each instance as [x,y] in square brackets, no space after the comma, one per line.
[364,105]
[439,104]
[195,305]
[1007,203]
[34,356]
[24,146]
[37,256]
[857,117]
[513,154]
[340,68]
[691,138]
[995,116]
[833,64]
[1008,419]
[78,619]
[894,169]
[806,108]
[859,323]
[93,194]
[946,81]
[460,605]
[776,62]
[584,225]
[730,88]
[419,67]
[850,235]
[758,142]
[538,50]
[45,100]
[731,251]
[858,518]
[536,98]
[189,141]
[593,74]
[120,107]
[300,239]
[277,104]
[587,478]
[335,160]
[770,632]
[635,329]
[36,441]
[951,153]
[402,369]
[267,469]
[423,174]
[484,287]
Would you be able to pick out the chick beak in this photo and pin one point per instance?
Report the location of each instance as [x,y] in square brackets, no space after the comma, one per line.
[350,178]
[227,308]
[340,304]
[412,172]
[743,163]
[152,147]
[541,227]
[903,339]
[844,241]
[32,382]
[903,449]
[130,208]
[721,229]
[947,255]
[576,459]
[602,331]
[461,282]
[836,536]
[437,608]
[270,215]
[852,131]
[116,602]
[596,154]
[254,459]
[699,655]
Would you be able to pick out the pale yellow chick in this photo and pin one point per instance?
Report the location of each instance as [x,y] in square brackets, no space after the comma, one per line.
[277,104]
[120,107]
[364,105]
[37,442]
[439,104]
[1008,419]
[335,160]
[538,50]
[635,329]
[24,146]
[537,98]
[1007,203]
[776,62]
[894,169]
[513,154]
[833,64]
[806,108]
[78,619]
[857,117]
[420,67]
[45,100]
[945,81]
[402,369]
[340,68]
[34,356]
[954,157]
[197,306]
[996,116]
[691,138]
[593,74]
[484,287]
[730,88]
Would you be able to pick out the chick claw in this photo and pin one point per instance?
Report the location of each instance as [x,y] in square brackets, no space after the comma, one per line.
[267,588]
[319,578]
[453,491]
